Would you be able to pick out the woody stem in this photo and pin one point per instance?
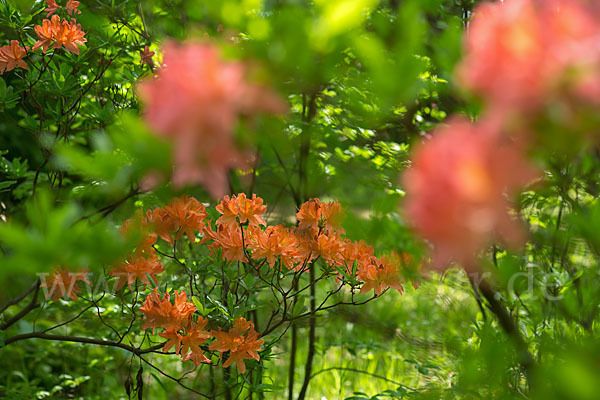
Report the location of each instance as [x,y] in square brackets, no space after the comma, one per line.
[311,334]
[508,325]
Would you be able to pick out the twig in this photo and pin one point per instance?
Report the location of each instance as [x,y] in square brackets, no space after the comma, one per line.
[76,339]
[20,297]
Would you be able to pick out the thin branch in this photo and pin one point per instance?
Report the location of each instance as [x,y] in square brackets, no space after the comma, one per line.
[33,304]
[20,297]
[509,326]
[76,339]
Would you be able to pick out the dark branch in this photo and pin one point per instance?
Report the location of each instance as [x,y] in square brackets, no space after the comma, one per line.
[20,297]
[33,304]
[75,339]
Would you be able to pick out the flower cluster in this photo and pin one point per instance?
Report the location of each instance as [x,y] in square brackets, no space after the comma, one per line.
[456,190]
[71,7]
[196,101]
[183,215]
[521,54]
[533,62]
[187,335]
[11,56]
[63,282]
[241,342]
[53,33]
[161,313]
[177,320]
[239,234]
[242,235]
[56,33]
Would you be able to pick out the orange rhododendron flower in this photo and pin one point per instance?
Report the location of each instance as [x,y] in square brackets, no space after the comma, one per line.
[381,274]
[329,247]
[52,7]
[306,248]
[241,341]
[173,339]
[228,238]
[358,252]
[242,209]
[195,336]
[160,312]
[69,36]
[520,52]
[183,215]
[188,215]
[275,242]
[196,101]
[137,268]
[11,56]
[188,344]
[456,190]
[317,216]
[63,282]
[138,228]
[72,7]
[45,33]
[60,33]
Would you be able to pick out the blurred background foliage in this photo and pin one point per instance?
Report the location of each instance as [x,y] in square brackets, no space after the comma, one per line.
[365,79]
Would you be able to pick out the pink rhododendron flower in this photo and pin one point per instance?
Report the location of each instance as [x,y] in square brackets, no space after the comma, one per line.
[196,101]
[520,53]
[146,56]
[456,191]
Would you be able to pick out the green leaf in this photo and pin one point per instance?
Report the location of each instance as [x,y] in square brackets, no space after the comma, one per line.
[6,184]
[198,305]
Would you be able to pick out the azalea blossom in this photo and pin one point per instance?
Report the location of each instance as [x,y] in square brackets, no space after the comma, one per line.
[161,313]
[70,36]
[228,238]
[195,336]
[11,56]
[59,33]
[317,216]
[52,7]
[45,33]
[196,101]
[173,339]
[183,215]
[456,191]
[146,56]
[329,247]
[137,268]
[72,7]
[241,342]
[275,242]
[351,252]
[520,54]
[380,274]
[242,209]
[63,282]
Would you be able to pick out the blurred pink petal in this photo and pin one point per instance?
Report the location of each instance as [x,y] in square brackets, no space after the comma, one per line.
[456,191]
[519,54]
[196,101]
